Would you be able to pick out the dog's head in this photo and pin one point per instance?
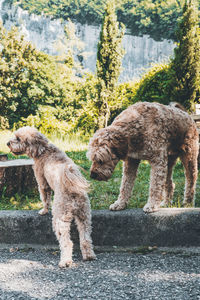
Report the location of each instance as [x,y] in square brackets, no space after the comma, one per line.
[104,151]
[27,140]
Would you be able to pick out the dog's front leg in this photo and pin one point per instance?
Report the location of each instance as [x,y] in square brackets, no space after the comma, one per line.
[157,185]
[43,187]
[45,196]
[130,167]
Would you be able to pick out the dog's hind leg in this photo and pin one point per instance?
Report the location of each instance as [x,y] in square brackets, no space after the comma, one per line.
[157,183]
[170,185]
[189,160]
[130,167]
[61,226]
[83,223]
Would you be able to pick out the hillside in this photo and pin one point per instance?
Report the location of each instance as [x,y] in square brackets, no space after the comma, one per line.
[158,18]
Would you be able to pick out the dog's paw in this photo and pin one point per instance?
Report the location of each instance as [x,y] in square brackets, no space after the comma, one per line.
[150,208]
[90,257]
[117,206]
[43,211]
[66,264]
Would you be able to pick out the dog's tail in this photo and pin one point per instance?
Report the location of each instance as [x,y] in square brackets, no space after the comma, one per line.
[177,105]
[74,180]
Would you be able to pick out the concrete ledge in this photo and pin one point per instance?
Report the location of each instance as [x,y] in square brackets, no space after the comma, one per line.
[175,227]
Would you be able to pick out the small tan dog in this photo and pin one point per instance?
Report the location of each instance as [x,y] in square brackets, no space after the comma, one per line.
[54,170]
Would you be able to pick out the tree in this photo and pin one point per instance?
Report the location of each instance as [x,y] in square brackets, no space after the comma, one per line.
[28,78]
[185,67]
[108,66]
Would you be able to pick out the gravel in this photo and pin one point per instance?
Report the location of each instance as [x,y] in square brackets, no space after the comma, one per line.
[34,274]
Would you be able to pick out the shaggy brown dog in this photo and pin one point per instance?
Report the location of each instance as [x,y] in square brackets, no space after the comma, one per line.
[54,170]
[153,132]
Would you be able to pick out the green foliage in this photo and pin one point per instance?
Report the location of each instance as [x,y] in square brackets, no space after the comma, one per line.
[28,78]
[81,10]
[124,96]
[178,81]
[185,67]
[78,115]
[30,201]
[157,18]
[86,103]
[45,121]
[109,57]
[154,85]
[86,112]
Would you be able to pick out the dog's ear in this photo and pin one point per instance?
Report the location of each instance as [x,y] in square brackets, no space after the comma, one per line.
[36,144]
[118,144]
[40,138]
[103,154]
[42,142]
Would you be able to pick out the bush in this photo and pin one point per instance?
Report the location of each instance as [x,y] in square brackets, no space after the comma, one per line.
[125,94]
[45,121]
[154,85]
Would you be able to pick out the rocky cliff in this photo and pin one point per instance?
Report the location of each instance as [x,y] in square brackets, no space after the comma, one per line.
[44,32]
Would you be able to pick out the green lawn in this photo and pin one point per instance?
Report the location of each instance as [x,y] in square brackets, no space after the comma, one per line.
[102,194]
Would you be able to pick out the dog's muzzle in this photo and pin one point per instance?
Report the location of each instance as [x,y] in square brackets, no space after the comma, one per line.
[97,176]
[93,175]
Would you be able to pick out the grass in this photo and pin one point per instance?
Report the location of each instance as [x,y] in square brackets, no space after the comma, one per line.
[102,194]
[68,143]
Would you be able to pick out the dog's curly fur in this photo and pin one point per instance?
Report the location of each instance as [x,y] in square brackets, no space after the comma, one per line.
[153,132]
[54,170]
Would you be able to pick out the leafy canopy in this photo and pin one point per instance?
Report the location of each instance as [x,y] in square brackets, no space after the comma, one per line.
[158,18]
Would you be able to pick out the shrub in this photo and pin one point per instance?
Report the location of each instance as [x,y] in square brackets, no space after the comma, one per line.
[45,121]
[125,95]
[154,85]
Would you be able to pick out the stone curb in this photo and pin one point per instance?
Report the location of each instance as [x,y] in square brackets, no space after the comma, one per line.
[175,227]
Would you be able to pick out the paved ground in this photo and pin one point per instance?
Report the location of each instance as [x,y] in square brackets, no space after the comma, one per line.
[160,274]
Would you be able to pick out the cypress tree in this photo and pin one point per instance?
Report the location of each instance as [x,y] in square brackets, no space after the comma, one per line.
[109,59]
[185,66]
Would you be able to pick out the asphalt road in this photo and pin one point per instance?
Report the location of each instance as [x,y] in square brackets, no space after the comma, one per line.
[34,274]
